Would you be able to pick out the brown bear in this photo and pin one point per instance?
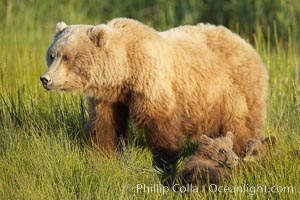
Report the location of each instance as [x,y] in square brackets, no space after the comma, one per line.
[259,149]
[212,163]
[183,82]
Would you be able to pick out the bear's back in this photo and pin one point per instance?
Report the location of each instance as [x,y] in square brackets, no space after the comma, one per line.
[219,40]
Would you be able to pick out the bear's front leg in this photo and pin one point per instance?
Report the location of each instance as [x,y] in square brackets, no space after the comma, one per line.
[107,125]
[165,140]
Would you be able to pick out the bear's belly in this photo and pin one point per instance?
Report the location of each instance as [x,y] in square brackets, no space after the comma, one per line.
[210,124]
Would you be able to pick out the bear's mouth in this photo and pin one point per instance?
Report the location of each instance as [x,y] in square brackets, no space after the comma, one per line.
[231,165]
[50,87]
[228,165]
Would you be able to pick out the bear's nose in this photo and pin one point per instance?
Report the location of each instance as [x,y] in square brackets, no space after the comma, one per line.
[45,79]
[236,159]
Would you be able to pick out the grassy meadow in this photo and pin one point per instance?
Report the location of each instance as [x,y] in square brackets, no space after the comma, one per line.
[43,153]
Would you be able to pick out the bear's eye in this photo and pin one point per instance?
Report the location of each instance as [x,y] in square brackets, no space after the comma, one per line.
[66,58]
[254,152]
[222,151]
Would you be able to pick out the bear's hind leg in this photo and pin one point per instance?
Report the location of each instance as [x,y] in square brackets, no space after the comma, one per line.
[165,140]
[242,133]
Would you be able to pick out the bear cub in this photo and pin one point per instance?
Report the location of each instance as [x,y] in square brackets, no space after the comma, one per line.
[212,162]
[259,149]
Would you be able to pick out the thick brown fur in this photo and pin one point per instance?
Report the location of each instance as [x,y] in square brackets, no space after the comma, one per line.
[212,163]
[183,82]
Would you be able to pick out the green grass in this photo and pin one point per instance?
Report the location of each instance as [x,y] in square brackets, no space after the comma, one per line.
[43,154]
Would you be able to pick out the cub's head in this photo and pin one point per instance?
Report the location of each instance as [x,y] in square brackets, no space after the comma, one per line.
[219,149]
[81,58]
[257,149]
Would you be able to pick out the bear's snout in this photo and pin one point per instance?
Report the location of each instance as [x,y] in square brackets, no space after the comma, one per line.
[46,80]
[235,160]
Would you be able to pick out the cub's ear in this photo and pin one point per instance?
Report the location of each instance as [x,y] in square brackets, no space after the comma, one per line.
[229,135]
[206,140]
[271,140]
[60,26]
[98,34]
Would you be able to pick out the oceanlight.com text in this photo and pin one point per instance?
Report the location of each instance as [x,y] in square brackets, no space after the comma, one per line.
[213,188]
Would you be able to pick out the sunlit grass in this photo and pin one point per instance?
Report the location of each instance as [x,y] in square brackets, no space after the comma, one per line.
[44,155]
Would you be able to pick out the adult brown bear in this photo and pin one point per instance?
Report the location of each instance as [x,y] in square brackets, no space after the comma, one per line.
[186,81]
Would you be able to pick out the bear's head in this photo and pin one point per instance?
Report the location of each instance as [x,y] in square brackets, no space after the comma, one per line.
[82,59]
[219,149]
[257,149]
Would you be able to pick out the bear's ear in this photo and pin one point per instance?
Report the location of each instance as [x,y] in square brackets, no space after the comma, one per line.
[98,34]
[60,26]
[206,140]
[229,135]
[271,140]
